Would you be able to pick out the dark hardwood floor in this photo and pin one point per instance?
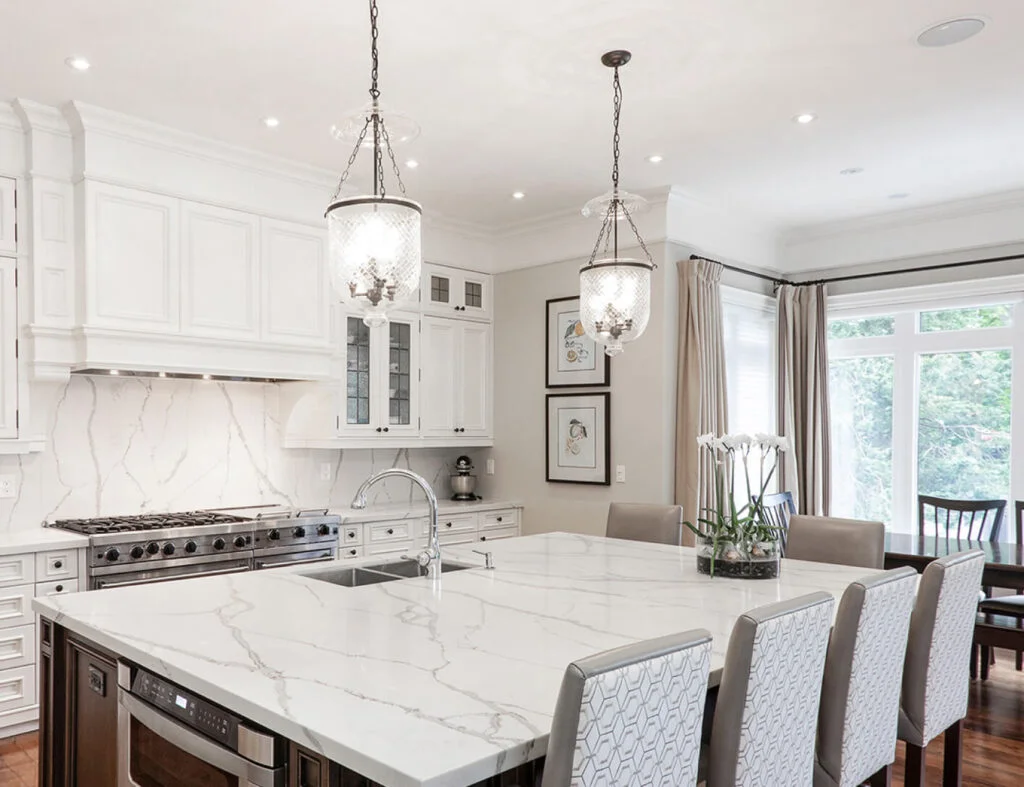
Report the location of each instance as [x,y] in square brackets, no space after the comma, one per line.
[993,738]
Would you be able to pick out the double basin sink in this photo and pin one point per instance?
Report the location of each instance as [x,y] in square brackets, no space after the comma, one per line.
[358,576]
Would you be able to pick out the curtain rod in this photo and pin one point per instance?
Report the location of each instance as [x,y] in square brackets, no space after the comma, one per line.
[859,276]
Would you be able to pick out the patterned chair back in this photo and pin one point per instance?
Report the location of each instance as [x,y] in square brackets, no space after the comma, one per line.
[631,716]
[936,673]
[763,731]
[863,672]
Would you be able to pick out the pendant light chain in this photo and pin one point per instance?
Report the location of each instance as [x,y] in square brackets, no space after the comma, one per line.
[615,137]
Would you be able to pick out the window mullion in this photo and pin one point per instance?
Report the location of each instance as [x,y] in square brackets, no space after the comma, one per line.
[904,426]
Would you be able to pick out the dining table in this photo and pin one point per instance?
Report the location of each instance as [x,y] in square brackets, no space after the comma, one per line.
[1004,562]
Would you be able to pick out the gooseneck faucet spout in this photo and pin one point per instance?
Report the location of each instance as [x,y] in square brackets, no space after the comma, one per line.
[430,558]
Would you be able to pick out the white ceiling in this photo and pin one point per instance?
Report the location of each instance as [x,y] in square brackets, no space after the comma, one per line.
[510,95]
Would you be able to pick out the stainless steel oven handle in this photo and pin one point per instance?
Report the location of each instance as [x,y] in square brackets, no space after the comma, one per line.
[100,584]
[186,740]
[282,563]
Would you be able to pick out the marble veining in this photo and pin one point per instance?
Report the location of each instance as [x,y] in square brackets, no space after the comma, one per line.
[414,683]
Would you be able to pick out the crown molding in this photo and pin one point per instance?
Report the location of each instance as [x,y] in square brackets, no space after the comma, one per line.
[9,118]
[40,117]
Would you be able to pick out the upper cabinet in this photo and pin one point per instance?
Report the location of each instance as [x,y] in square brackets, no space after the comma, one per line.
[8,217]
[8,350]
[457,373]
[451,292]
[296,292]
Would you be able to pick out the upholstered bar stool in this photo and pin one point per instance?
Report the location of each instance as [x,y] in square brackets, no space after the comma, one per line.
[860,693]
[936,671]
[631,716]
[767,711]
[847,542]
[645,522]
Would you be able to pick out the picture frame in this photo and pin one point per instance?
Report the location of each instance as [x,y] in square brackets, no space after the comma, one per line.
[571,358]
[578,438]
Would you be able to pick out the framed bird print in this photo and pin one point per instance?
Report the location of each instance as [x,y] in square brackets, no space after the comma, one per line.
[579,438]
[573,359]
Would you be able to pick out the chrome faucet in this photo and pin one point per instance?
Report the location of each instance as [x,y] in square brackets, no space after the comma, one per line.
[430,558]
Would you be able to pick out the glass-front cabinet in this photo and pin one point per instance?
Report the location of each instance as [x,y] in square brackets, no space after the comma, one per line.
[451,292]
[380,391]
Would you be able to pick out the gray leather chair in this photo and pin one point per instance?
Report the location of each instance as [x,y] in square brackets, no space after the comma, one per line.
[848,542]
[936,671]
[645,522]
[860,693]
[631,716]
[767,711]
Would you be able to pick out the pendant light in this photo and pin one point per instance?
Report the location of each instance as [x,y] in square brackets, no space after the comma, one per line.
[375,255]
[615,291]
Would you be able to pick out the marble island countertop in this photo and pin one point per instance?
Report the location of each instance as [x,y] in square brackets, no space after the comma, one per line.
[417,684]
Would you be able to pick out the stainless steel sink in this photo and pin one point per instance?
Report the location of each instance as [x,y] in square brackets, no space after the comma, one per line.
[358,576]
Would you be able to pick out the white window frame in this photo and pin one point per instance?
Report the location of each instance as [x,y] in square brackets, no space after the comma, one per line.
[907,345]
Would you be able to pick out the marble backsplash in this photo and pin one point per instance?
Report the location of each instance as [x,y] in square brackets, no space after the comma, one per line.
[129,445]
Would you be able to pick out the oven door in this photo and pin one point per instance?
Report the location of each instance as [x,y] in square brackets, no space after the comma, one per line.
[164,574]
[154,750]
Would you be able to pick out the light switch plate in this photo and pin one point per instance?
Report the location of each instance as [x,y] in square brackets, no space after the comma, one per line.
[8,484]
[490,467]
[620,474]
[325,471]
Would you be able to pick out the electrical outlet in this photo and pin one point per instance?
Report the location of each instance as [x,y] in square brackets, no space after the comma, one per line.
[7,485]
[325,471]
[620,474]
[490,467]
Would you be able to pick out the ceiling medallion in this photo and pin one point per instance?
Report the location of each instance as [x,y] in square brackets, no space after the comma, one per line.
[615,291]
[375,239]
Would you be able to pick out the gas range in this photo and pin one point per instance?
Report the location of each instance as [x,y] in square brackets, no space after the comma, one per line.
[143,548]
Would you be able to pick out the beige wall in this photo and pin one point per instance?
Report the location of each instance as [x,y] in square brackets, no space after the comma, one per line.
[642,412]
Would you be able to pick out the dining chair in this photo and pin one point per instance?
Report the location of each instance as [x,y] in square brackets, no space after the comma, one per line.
[846,542]
[631,716]
[972,520]
[1003,615]
[767,708]
[860,691]
[936,669]
[645,522]
[778,509]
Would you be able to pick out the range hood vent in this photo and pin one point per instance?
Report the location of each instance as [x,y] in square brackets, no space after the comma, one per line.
[224,378]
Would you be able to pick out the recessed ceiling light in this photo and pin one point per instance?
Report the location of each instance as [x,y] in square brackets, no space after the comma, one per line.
[851,171]
[952,32]
[114,371]
[77,63]
[207,377]
[162,374]
[655,159]
[271,122]
[899,195]
[804,118]
[518,194]
[412,163]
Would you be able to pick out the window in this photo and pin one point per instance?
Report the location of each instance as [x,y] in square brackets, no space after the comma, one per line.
[922,403]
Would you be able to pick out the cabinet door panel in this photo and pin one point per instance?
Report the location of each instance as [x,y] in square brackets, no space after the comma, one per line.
[295,291]
[359,394]
[8,344]
[133,267]
[8,217]
[220,273]
[439,387]
[475,380]
[401,375]
[475,295]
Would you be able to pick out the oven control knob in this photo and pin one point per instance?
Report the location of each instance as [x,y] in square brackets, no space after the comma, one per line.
[274,534]
[239,541]
[112,554]
[152,547]
[168,548]
[137,552]
[299,532]
[191,546]
[323,530]
[219,543]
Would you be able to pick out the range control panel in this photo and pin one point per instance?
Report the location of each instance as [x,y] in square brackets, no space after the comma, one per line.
[194,711]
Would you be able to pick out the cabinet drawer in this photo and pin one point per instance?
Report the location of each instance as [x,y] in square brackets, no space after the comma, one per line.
[499,532]
[504,518]
[350,535]
[452,539]
[391,531]
[16,606]
[465,523]
[17,570]
[17,689]
[349,552]
[390,548]
[17,646]
[58,588]
[62,564]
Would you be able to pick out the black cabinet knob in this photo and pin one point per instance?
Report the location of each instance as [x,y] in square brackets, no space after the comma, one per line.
[239,541]
[456,430]
[299,532]
[350,534]
[112,554]
[152,547]
[137,552]
[379,429]
[447,524]
[59,588]
[191,546]
[274,534]
[499,519]
[219,543]
[483,538]
[386,429]
[168,549]
[391,531]
[58,564]
[352,552]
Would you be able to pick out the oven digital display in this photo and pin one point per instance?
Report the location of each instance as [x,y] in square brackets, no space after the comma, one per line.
[181,702]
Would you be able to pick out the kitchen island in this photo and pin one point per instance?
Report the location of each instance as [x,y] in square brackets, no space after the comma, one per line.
[413,683]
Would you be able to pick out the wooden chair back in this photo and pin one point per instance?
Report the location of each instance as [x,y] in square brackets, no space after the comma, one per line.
[974,520]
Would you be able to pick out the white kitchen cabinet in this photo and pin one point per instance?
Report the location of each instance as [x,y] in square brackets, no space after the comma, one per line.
[457,374]
[8,349]
[220,272]
[8,217]
[380,392]
[132,266]
[452,292]
[296,289]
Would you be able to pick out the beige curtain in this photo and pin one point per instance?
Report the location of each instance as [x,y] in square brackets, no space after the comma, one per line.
[802,397]
[701,403]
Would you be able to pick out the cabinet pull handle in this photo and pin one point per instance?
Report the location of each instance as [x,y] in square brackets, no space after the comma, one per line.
[351,533]
[58,564]
[379,429]
[391,531]
[447,524]
[499,518]
[483,538]
[60,588]
[352,552]
[386,429]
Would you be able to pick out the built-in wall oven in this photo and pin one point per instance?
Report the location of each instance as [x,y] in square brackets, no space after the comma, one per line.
[169,737]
